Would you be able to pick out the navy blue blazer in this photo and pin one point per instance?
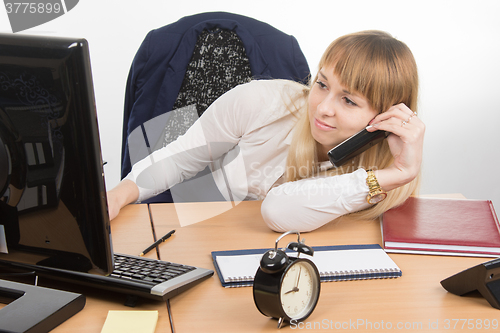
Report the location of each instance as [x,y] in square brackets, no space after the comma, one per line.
[159,66]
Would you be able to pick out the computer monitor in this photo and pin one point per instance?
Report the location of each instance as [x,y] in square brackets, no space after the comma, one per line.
[53,209]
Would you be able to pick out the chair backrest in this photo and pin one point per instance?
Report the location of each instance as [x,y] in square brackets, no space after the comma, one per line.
[185,66]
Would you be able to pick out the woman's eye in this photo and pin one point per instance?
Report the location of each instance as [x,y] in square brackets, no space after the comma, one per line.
[349,101]
[321,84]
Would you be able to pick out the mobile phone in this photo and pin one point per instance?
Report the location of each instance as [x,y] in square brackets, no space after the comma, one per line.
[354,146]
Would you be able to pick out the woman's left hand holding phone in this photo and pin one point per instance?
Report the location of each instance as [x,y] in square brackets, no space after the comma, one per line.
[405,142]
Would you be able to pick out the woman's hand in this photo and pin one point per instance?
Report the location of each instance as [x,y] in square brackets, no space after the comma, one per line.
[113,204]
[405,140]
[124,193]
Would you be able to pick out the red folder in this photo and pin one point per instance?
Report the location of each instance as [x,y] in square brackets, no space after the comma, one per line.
[459,227]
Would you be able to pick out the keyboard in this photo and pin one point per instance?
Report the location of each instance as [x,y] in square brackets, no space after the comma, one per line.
[137,277]
[160,279]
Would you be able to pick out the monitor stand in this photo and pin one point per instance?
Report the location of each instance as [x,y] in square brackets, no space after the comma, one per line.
[36,309]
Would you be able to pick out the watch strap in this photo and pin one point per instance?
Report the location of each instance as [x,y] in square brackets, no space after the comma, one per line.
[375,192]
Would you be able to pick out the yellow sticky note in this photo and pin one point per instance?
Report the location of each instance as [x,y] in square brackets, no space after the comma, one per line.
[130,321]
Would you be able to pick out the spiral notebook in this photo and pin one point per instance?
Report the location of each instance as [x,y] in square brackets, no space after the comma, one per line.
[335,263]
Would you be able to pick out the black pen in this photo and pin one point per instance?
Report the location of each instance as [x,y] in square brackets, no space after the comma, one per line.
[155,244]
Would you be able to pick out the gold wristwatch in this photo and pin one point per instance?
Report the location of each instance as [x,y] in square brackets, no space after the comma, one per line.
[376,193]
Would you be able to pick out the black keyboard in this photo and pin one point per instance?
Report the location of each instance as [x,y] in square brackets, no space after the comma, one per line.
[159,279]
[142,269]
[137,276]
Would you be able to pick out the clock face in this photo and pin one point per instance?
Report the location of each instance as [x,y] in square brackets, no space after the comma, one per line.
[299,290]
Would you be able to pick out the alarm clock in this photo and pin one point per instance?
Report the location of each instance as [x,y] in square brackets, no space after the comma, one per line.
[287,288]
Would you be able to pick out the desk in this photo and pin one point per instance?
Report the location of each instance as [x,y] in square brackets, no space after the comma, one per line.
[415,301]
[131,232]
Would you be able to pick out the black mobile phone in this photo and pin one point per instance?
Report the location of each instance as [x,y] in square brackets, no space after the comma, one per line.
[354,146]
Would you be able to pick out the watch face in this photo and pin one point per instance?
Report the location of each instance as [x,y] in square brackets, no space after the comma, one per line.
[300,289]
[377,198]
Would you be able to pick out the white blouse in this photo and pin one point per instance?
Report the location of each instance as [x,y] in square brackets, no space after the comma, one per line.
[244,137]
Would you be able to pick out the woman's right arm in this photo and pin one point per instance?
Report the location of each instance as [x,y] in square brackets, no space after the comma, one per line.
[123,194]
[214,134]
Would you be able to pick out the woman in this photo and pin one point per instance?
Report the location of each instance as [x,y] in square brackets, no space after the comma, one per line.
[269,140]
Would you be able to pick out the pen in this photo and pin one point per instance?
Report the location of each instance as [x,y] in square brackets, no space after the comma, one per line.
[155,244]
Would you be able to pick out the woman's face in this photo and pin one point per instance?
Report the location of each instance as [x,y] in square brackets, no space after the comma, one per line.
[334,112]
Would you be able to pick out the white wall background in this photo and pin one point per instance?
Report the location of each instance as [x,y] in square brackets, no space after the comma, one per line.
[456,45]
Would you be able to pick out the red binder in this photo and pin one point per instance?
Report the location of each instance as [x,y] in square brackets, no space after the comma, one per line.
[458,227]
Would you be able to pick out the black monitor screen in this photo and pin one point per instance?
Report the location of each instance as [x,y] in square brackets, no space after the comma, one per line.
[53,208]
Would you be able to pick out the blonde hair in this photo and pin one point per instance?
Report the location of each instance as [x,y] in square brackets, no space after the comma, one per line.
[383,70]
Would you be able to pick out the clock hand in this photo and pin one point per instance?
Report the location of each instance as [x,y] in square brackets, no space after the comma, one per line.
[296,288]
[292,291]
[298,279]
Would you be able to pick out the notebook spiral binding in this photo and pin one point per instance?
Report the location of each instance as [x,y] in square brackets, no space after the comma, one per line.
[335,276]
[243,281]
[368,274]
[240,279]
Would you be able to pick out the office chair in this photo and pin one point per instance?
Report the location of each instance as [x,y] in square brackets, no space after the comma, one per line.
[181,68]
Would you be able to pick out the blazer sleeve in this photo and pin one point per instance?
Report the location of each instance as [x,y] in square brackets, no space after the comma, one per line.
[136,69]
[301,66]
